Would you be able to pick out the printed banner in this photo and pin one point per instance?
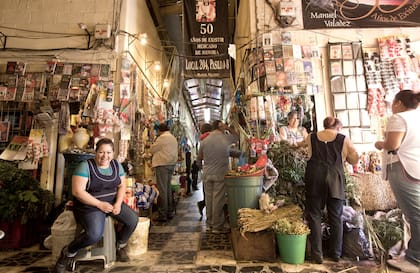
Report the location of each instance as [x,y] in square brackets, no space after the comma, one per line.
[206,39]
[360,13]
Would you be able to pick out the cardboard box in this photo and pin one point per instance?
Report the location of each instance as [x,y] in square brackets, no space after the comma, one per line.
[257,246]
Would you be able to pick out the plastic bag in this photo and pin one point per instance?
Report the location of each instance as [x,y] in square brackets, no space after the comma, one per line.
[64,222]
[270,175]
[355,244]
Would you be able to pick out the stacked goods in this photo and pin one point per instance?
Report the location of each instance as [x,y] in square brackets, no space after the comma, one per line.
[256,169]
[376,193]
[254,220]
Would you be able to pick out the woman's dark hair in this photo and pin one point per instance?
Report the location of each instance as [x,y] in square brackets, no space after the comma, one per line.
[291,114]
[408,98]
[104,141]
[332,123]
[206,127]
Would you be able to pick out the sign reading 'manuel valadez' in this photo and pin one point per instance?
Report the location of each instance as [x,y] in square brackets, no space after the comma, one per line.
[360,13]
[206,39]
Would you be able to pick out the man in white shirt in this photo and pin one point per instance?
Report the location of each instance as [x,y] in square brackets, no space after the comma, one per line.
[165,156]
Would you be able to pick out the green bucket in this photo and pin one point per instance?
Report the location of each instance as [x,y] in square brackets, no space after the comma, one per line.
[291,248]
[243,192]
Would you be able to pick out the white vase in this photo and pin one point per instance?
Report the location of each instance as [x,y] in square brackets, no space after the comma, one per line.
[81,138]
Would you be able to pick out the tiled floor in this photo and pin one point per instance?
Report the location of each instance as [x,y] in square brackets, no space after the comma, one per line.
[181,245]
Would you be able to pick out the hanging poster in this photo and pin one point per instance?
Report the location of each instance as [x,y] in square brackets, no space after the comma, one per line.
[16,150]
[360,13]
[206,39]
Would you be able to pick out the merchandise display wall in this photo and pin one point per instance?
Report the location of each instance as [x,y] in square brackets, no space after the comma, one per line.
[349,94]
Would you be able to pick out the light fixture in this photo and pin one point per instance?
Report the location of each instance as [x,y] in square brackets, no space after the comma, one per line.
[206,112]
[143,38]
[157,66]
[84,27]
[166,83]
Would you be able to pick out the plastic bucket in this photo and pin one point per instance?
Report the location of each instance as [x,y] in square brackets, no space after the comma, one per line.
[291,248]
[137,244]
[243,192]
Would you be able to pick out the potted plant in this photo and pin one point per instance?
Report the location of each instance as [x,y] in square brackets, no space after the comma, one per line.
[291,234]
[23,205]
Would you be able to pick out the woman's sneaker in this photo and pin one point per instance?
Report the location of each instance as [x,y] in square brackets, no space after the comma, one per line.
[122,255]
[64,262]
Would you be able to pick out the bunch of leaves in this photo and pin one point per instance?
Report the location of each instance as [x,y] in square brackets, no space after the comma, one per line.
[291,226]
[290,161]
[21,196]
[389,230]
[379,250]
[353,195]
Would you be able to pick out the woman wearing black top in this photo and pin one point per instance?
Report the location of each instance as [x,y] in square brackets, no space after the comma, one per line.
[324,184]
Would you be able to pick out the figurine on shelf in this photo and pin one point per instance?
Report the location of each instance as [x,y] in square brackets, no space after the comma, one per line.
[374,162]
[81,138]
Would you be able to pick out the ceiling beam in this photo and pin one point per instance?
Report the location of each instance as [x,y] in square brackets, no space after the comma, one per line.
[171,9]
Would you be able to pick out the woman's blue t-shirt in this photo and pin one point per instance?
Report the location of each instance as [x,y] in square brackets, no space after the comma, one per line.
[83,170]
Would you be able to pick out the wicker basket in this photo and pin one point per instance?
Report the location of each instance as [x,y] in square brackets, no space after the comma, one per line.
[376,193]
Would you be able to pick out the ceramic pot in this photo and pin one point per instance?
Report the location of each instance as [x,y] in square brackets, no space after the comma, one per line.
[81,138]
[65,141]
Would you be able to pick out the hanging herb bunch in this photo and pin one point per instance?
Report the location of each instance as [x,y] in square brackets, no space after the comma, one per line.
[290,161]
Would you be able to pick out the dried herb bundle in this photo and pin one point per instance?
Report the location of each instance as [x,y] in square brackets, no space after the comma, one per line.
[254,220]
[291,226]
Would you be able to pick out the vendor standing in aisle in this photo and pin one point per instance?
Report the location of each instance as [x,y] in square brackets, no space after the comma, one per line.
[213,154]
[325,183]
[164,157]
[205,130]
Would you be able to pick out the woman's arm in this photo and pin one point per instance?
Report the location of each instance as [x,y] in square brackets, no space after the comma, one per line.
[283,133]
[79,191]
[394,134]
[349,152]
[121,189]
[392,141]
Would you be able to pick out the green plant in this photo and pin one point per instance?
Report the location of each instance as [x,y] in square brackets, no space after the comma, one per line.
[290,161]
[291,226]
[353,195]
[21,196]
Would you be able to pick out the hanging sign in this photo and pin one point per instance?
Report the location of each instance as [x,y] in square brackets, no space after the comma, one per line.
[206,39]
[360,13]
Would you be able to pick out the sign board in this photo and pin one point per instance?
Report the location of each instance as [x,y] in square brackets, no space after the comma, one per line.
[206,39]
[318,14]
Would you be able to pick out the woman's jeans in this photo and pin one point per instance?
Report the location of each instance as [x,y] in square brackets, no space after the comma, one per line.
[407,193]
[93,223]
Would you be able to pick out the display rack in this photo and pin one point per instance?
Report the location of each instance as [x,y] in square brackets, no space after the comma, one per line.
[348,88]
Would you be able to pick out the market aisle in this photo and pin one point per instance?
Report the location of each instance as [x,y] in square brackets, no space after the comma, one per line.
[181,245]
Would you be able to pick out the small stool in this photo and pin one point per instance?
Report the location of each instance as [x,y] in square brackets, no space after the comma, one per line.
[103,250]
